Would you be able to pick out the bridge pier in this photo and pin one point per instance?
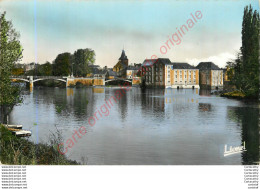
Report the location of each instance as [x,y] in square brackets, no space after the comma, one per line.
[31,82]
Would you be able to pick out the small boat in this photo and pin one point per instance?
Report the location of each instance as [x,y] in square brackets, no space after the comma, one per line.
[19,132]
[13,126]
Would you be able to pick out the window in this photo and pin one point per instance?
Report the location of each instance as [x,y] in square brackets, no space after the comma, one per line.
[176,76]
[185,76]
[168,81]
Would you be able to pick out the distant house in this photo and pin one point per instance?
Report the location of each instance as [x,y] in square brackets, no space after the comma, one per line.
[111,74]
[227,75]
[211,76]
[30,66]
[164,73]
[131,71]
[122,64]
[97,72]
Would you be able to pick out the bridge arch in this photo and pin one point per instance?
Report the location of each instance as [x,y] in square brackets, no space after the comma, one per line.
[49,78]
[129,81]
[26,80]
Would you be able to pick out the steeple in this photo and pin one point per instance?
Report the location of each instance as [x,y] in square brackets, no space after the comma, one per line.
[123,56]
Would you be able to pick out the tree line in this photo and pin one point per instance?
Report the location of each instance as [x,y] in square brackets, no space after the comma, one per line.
[65,64]
[244,70]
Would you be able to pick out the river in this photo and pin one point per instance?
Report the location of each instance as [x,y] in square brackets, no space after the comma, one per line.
[155,127]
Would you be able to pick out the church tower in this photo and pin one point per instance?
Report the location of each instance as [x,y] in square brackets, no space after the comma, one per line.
[122,64]
[123,58]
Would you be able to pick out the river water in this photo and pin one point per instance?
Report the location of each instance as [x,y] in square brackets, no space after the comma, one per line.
[154,127]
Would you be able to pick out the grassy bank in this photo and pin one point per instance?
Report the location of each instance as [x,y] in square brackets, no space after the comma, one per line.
[234,94]
[20,151]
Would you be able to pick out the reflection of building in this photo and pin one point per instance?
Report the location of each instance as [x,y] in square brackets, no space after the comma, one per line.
[121,65]
[98,90]
[164,73]
[211,76]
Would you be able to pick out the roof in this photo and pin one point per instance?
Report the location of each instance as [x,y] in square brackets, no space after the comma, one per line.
[132,68]
[182,65]
[166,61]
[123,56]
[112,73]
[98,71]
[150,62]
[207,66]
[94,66]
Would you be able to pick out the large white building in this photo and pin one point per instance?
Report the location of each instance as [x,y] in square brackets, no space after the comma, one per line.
[181,75]
[164,73]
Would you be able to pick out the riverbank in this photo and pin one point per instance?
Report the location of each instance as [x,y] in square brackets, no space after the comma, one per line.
[238,95]
[234,94]
[21,151]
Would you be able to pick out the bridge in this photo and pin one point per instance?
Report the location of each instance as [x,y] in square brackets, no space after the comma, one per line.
[32,79]
[70,80]
[119,79]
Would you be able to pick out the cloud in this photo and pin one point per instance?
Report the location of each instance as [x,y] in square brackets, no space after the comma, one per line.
[219,60]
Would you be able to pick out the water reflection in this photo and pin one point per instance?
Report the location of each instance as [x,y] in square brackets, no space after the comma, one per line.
[155,126]
[247,119]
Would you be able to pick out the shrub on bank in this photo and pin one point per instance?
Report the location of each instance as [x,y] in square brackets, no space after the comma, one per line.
[234,94]
[21,151]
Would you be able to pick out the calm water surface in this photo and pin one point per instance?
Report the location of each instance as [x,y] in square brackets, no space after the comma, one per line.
[158,126]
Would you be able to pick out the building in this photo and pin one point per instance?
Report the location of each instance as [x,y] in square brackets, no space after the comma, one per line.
[97,72]
[30,66]
[132,71]
[182,75]
[227,76]
[211,76]
[111,74]
[121,65]
[162,72]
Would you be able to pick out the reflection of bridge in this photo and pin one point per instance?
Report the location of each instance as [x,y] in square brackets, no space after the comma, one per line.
[32,79]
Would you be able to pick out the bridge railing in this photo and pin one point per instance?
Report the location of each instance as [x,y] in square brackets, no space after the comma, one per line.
[37,77]
[19,76]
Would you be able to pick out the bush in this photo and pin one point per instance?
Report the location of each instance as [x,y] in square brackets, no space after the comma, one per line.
[21,151]
[234,94]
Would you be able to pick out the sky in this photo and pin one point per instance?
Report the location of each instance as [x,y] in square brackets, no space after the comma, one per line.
[141,27]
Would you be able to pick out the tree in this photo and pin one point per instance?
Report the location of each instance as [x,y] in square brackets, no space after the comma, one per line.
[81,61]
[10,53]
[62,65]
[45,69]
[250,52]
[245,68]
